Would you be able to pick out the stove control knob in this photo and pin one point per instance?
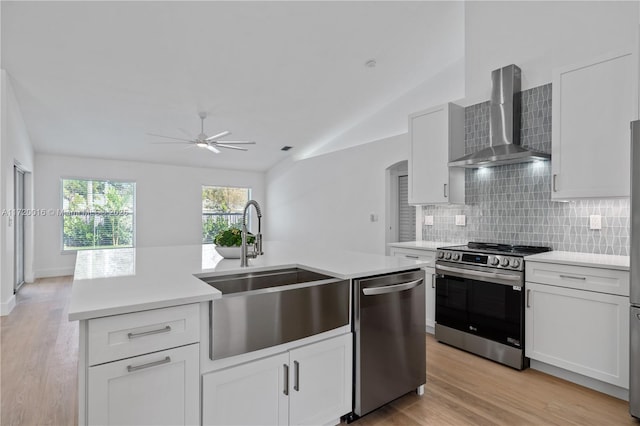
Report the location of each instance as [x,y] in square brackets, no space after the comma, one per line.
[504,262]
[515,263]
[447,255]
[494,261]
[455,256]
[440,255]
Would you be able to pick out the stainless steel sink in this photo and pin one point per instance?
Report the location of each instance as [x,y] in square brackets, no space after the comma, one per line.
[229,284]
[263,309]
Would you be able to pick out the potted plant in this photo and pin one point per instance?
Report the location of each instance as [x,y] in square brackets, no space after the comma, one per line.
[228,242]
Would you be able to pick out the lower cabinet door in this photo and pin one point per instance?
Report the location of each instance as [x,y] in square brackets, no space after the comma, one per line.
[581,331]
[156,389]
[255,393]
[320,381]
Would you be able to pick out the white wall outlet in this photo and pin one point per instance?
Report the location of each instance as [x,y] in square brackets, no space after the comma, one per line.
[461,220]
[595,221]
[373,217]
[428,220]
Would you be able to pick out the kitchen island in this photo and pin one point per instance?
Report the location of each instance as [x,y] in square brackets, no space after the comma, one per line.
[145,340]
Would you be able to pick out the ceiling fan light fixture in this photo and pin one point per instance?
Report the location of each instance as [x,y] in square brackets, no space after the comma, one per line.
[202,144]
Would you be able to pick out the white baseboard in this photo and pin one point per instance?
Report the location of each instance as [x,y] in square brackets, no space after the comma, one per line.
[53,272]
[7,307]
[581,380]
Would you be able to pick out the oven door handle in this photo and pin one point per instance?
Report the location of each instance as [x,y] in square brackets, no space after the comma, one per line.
[468,273]
[373,291]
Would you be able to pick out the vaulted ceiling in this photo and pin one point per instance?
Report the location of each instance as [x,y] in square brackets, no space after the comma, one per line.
[92,78]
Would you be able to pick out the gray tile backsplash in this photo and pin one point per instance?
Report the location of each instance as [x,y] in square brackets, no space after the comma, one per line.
[512,203]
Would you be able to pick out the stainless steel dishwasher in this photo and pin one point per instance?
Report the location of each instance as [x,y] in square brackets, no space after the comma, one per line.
[389,333]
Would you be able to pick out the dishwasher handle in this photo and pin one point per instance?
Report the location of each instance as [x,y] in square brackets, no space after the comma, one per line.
[373,291]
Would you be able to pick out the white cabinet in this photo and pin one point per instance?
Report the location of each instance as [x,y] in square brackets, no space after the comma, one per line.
[155,389]
[141,368]
[593,103]
[436,136]
[569,326]
[430,277]
[255,393]
[307,385]
[320,381]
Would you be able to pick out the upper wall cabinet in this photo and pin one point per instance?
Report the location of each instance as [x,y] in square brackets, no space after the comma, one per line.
[593,104]
[436,136]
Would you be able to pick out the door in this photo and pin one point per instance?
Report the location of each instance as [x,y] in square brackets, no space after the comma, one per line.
[19,229]
[593,103]
[390,338]
[486,309]
[161,388]
[581,331]
[320,381]
[429,144]
[634,255]
[634,376]
[255,393]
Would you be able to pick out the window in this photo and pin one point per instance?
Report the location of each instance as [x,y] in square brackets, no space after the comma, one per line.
[97,214]
[222,208]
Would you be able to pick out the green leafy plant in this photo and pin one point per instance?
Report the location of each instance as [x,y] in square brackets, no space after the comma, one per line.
[232,238]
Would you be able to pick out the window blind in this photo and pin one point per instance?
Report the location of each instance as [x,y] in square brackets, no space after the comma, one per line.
[97,214]
[406,213]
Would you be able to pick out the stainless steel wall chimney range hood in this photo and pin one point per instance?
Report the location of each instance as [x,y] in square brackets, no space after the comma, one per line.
[504,125]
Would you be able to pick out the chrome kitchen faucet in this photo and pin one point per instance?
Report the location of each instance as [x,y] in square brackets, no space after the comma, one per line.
[257,248]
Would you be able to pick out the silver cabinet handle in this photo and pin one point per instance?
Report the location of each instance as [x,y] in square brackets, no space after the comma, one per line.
[372,291]
[433,280]
[572,277]
[148,333]
[296,381]
[286,379]
[445,190]
[131,368]
[528,297]
[411,256]
[555,176]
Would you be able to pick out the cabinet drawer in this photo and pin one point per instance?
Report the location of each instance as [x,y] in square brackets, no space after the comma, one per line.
[415,254]
[611,281]
[123,336]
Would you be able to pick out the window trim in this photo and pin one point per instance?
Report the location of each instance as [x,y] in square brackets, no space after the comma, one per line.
[61,201]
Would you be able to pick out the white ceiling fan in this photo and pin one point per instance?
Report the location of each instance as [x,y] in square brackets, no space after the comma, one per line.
[212,143]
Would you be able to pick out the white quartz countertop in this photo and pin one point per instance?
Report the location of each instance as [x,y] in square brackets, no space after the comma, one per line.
[117,281]
[607,261]
[423,245]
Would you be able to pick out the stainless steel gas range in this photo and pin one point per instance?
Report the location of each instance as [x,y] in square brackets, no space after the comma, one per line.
[480,299]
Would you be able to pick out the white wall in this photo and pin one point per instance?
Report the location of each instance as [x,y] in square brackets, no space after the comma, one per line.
[168,201]
[326,200]
[391,119]
[16,150]
[540,36]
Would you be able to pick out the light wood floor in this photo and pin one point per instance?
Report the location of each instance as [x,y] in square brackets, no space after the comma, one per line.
[39,356]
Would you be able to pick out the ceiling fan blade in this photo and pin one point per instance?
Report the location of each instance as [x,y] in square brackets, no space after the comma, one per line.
[219,135]
[172,143]
[186,133]
[169,137]
[237,142]
[221,145]
[213,149]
